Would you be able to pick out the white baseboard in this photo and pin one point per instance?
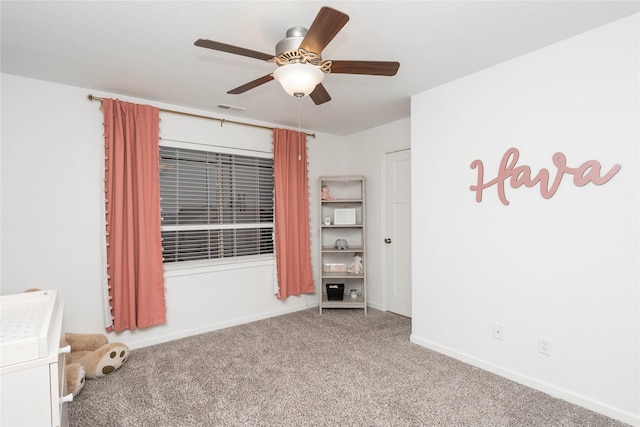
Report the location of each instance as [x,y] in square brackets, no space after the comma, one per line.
[376,306]
[215,326]
[550,389]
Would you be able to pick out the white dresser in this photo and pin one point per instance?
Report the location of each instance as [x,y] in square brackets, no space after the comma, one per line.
[32,366]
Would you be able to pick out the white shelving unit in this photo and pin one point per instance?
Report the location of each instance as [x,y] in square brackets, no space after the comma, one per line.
[343,217]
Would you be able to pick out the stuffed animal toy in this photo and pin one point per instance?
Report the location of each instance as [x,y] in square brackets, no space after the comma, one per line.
[96,355]
[356,266]
[92,356]
[325,193]
[75,375]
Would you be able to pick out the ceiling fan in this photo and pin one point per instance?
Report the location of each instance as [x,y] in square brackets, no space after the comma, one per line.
[300,66]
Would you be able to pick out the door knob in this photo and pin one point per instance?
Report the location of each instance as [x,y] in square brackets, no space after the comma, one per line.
[387,240]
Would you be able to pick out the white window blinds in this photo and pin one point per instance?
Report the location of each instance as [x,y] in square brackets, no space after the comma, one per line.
[215,205]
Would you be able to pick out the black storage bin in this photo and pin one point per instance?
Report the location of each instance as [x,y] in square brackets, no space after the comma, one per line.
[335,291]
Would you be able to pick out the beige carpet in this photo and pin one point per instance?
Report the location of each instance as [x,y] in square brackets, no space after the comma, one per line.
[303,369]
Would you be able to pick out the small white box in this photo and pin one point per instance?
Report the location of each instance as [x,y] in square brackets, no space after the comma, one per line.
[344,216]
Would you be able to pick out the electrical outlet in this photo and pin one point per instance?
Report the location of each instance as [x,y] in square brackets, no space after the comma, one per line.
[544,345]
[498,331]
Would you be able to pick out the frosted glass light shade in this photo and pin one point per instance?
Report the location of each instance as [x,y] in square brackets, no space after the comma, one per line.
[298,78]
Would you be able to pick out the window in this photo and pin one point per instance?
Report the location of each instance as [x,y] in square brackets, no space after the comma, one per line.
[215,205]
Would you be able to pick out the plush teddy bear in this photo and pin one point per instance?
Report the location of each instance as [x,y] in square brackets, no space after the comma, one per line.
[92,356]
[96,354]
[356,266]
[75,375]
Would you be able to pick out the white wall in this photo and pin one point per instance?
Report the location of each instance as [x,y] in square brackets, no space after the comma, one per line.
[564,268]
[52,215]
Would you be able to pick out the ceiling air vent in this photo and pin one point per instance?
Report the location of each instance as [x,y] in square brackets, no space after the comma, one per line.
[230,107]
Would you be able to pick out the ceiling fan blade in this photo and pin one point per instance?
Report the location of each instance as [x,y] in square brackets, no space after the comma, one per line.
[320,95]
[247,86]
[324,28]
[374,68]
[210,44]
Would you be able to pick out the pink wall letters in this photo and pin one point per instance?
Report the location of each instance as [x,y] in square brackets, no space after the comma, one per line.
[518,176]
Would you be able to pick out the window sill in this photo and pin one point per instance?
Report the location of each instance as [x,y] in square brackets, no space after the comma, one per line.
[203,267]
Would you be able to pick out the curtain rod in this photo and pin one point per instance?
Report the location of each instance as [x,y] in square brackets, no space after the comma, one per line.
[222,121]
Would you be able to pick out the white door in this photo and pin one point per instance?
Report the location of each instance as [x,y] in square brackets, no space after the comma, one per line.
[397,238]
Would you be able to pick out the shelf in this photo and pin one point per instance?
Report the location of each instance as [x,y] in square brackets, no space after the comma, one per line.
[342,226]
[347,302]
[326,275]
[342,178]
[342,201]
[342,251]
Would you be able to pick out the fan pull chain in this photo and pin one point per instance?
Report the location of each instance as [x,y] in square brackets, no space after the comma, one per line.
[299,96]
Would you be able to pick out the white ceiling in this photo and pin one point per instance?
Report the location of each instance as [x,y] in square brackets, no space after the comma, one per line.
[145,49]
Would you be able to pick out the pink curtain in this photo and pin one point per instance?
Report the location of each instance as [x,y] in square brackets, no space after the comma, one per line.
[134,244]
[293,252]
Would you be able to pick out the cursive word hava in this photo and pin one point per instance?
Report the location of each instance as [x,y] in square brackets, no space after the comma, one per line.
[518,176]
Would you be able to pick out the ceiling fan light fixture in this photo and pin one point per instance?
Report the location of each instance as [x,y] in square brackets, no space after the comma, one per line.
[298,78]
